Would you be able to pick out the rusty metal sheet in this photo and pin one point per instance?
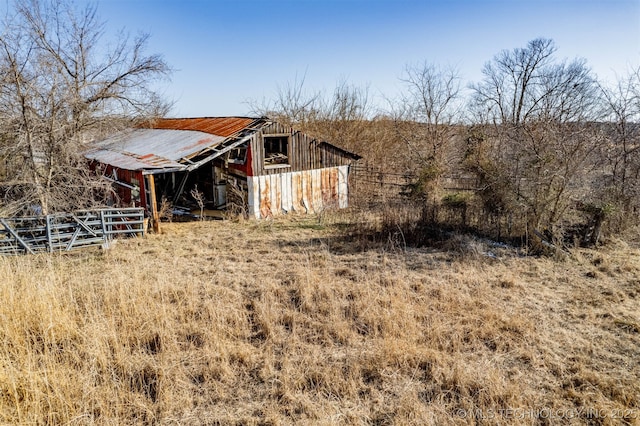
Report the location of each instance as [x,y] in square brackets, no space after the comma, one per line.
[139,149]
[275,194]
[343,187]
[253,197]
[305,191]
[333,186]
[296,191]
[220,126]
[285,181]
[325,182]
[265,196]
[316,183]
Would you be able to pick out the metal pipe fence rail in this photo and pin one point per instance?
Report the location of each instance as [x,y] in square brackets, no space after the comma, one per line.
[68,231]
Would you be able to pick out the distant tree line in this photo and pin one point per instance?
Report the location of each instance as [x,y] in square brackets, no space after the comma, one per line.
[554,152]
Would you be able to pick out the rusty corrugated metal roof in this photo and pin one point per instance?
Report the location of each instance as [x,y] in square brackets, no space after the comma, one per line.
[138,149]
[220,126]
[171,143]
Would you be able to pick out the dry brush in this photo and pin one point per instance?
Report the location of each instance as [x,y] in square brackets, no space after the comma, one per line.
[307,320]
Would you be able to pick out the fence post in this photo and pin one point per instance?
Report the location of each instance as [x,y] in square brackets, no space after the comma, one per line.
[154,204]
[105,236]
[48,229]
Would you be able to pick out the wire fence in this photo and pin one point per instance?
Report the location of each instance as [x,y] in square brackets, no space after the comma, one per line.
[372,186]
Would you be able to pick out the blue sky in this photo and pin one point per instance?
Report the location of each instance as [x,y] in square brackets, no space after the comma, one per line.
[230,53]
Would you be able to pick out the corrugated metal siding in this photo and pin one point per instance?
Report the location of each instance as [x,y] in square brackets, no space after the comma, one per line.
[307,191]
[220,126]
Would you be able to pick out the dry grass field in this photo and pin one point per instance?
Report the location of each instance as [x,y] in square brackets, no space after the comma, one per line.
[305,321]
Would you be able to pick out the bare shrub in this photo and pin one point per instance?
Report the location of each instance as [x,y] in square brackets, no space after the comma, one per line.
[63,85]
[538,139]
[198,197]
[165,212]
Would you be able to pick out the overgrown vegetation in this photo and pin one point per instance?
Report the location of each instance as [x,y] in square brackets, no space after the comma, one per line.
[62,84]
[312,320]
[549,155]
[403,314]
[535,141]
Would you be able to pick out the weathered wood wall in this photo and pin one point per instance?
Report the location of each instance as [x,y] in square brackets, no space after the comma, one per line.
[305,153]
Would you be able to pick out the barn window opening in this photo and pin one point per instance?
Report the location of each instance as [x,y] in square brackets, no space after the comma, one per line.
[276,150]
[238,155]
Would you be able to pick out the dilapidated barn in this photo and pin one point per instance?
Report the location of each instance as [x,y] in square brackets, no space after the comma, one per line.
[254,165]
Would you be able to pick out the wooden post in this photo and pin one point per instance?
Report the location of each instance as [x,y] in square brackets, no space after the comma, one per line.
[48,226]
[153,203]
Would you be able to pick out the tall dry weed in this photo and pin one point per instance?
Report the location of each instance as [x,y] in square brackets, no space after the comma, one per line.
[296,321]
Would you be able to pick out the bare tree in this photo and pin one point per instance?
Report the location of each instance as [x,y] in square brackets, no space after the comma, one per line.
[431,100]
[292,106]
[541,129]
[622,153]
[61,86]
[424,121]
[198,196]
[615,194]
[339,117]
[343,116]
[513,82]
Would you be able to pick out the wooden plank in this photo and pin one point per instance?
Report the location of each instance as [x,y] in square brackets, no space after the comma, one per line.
[257,154]
[178,193]
[293,149]
[306,152]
